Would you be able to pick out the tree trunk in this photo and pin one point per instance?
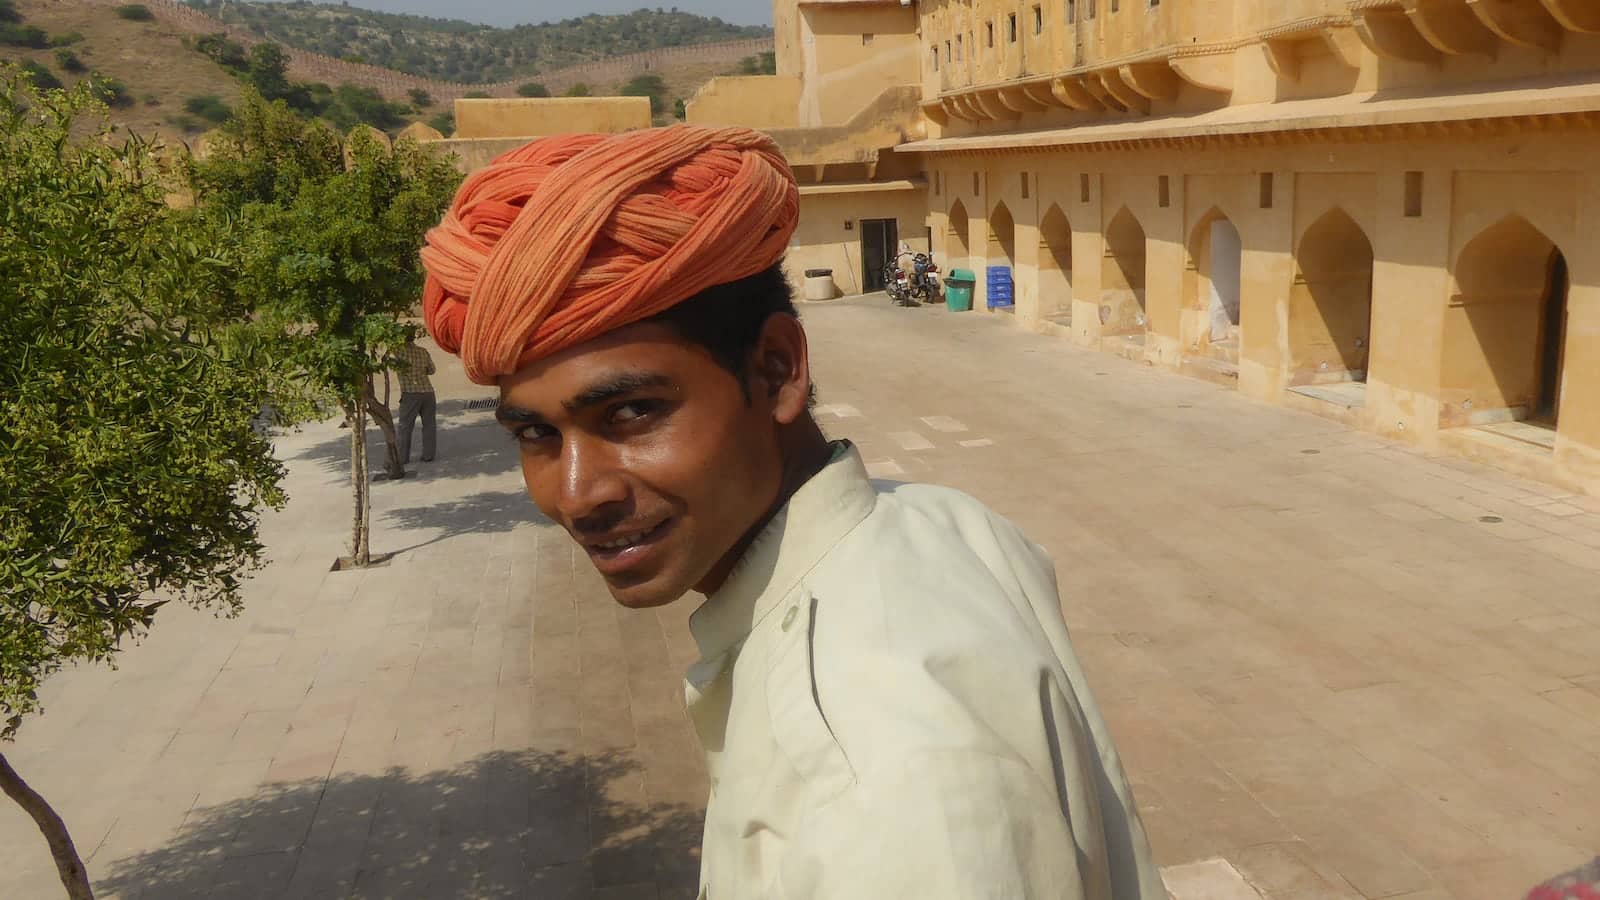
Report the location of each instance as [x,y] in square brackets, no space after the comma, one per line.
[74,877]
[360,547]
[393,466]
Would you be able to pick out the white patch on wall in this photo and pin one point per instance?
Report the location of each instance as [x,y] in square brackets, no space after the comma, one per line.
[980,442]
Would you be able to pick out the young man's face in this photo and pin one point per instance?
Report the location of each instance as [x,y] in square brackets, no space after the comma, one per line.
[649,453]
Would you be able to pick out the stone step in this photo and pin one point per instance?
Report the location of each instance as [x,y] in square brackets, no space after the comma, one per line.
[1215,371]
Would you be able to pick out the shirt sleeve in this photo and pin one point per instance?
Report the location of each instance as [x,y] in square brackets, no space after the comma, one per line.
[939,824]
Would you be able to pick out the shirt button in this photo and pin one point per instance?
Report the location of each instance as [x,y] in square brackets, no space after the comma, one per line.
[788,617]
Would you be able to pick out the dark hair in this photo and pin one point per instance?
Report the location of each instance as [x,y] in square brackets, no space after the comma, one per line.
[727,319]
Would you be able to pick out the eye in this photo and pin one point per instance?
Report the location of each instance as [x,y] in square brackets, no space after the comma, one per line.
[632,411]
[533,433]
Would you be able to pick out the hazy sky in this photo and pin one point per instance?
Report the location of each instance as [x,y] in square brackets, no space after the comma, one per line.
[514,12]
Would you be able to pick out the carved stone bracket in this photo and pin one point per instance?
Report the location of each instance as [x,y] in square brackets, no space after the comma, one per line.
[1120,91]
[1526,23]
[1073,94]
[1345,44]
[1451,27]
[1575,15]
[1151,80]
[1209,72]
[1017,100]
[1386,30]
[936,112]
[1040,93]
[988,103]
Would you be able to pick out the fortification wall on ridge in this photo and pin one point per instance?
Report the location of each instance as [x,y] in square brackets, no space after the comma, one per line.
[395,85]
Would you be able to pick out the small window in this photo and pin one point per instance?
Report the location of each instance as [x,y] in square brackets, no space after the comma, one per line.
[958,48]
[1024,185]
[1154,3]
[1266,190]
[1115,5]
[1083,188]
[1163,192]
[989,34]
[1038,20]
[866,40]
[936,59]
[946,51]
[1072,12]
[1011,28]
[975,184]
[1092,8]
[1413,195]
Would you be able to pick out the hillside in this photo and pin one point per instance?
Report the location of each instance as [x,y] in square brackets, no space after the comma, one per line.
[149,58]
[173,89]
[448,50]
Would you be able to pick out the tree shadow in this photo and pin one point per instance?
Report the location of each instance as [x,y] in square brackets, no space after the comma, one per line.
[471,443]
[486,512]
[506,824]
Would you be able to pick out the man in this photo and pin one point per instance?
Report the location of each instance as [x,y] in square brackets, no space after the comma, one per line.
[886,696]
[416,398]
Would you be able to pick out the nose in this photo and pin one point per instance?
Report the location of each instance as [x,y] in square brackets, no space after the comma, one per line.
[591,481]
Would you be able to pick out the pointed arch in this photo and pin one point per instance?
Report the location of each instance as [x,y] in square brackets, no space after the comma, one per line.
[1055,263]
[1505,328]
[1216,254]
[1002,236]
[1122,276]
[956,240]
[1330,302]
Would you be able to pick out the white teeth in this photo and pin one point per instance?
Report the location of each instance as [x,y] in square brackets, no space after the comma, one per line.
[621,543]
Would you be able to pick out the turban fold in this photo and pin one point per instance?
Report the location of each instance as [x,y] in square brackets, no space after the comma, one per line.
[567,238]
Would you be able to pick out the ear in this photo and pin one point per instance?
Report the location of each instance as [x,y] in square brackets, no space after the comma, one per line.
[782,367]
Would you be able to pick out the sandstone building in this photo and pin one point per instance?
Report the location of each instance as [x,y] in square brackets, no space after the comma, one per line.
[1383,211]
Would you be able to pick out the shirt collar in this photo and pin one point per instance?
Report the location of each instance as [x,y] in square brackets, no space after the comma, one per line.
[816,517]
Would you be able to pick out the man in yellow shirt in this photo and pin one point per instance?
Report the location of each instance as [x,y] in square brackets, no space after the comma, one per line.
[887,697]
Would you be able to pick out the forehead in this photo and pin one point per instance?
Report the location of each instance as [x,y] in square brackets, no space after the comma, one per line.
[646,348]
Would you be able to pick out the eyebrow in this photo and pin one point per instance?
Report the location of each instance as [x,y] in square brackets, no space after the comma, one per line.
[615,387]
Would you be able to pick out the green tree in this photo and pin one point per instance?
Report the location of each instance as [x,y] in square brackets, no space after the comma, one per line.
[578,90]
[330,260]
[111,90]
[651,86]
[420,98]
[69,61]
[269,70]
[8,11]
[532,89]
[30,36]
[443,122]
[209,107]
[132,476]
[43,79]
[136,12]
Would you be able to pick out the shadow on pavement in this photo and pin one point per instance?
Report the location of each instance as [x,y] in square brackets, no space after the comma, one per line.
[470,444]
[526,824]
[487,512]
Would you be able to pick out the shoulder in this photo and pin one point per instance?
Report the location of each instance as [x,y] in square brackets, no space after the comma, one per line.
[923,623]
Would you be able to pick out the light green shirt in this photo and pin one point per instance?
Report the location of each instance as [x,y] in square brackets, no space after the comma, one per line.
[890,708]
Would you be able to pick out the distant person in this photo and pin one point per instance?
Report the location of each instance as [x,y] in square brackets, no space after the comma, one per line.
[888,702]
[416,398]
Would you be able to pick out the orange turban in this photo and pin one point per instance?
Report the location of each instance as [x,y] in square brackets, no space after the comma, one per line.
[567,238]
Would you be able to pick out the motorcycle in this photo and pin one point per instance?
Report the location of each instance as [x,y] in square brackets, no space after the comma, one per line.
[925,278]
[897,284]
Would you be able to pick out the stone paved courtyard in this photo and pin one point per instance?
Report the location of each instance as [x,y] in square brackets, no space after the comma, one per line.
[1321,664]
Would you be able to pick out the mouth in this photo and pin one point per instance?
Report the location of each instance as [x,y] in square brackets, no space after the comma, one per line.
[623,551]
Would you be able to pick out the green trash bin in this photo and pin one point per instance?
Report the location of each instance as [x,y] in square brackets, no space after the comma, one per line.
[958,287]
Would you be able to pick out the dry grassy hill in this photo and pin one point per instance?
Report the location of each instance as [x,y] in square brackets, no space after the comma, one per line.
[148,57]
[161,70]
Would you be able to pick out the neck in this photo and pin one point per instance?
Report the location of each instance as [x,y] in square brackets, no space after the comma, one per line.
[805,451]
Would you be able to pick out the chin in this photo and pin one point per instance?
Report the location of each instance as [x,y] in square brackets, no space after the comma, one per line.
[649,594]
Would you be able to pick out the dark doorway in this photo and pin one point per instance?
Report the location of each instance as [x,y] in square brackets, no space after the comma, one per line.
[879,240]
[1552,338]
